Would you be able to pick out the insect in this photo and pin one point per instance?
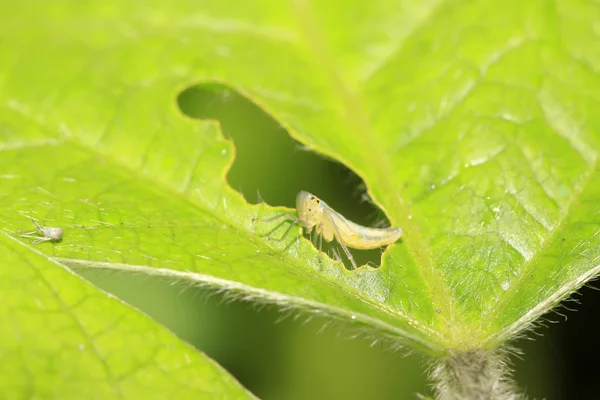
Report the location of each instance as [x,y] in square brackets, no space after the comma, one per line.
[314,213]
[48,234]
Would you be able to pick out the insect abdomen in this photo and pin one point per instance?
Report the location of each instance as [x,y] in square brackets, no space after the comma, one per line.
[364,238]
[372,238]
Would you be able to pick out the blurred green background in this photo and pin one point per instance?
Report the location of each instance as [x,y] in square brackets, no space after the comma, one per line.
[281,355]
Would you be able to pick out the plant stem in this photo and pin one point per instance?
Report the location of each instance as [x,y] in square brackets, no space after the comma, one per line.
[474,375]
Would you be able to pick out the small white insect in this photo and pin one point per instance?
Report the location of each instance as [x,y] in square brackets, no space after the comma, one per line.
[48,234]
[315,213]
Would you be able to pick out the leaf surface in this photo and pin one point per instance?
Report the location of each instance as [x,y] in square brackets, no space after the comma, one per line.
[475,129]
[62,337]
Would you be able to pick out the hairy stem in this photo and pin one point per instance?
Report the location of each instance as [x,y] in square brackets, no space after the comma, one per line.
[474,375]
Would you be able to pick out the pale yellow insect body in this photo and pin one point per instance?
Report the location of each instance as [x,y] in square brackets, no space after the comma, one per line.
[314,213]
[49,234]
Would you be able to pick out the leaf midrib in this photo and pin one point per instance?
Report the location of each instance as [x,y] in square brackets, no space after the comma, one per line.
[354,113]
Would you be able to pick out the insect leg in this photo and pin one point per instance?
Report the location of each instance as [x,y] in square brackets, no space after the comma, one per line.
[336,255]
[39,228]
[30,235]
[288,215]
[294,222]
[320,230]
[348,254]
[338,237]
[284,215]
[41,240]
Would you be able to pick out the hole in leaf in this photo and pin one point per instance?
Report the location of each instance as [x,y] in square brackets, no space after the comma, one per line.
[271,166]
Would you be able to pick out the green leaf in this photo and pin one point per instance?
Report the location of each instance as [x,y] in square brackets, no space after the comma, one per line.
[474,127]
[62,337]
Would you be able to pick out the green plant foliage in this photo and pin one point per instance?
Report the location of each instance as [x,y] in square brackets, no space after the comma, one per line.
[62,337]
[474,127]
